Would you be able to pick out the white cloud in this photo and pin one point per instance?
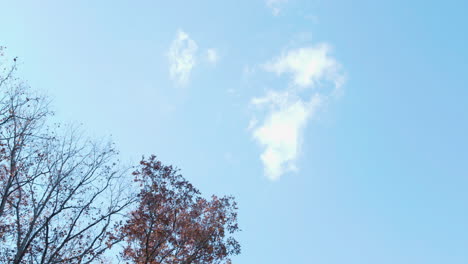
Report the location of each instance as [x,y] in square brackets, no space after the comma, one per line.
[307,66]
[182,58]
[275,5]
[212,56]
[288,112]
[281,132]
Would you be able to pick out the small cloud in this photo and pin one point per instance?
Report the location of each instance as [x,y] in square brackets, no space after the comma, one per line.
[252,123]
[182,58]
[232,91]
[275,5]
[247,71]
[281,132]
[307,65]
[212,56]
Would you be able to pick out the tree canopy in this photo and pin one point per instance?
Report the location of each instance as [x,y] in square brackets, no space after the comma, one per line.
[63,197]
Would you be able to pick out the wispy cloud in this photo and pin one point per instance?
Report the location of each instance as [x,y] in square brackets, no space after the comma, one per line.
[212,56]
[182,58]
[275,5]
[287,112]
[307,66]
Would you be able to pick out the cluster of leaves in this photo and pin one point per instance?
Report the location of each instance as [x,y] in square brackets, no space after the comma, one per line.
[63,198]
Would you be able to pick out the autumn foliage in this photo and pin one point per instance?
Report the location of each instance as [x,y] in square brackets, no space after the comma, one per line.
[174,224]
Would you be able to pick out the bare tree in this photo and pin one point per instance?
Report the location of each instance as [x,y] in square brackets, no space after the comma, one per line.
[60,194]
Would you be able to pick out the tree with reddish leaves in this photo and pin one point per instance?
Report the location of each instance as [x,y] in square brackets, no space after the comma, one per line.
[174,224]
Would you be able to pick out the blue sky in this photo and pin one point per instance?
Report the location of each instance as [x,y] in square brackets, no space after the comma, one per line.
[340,126]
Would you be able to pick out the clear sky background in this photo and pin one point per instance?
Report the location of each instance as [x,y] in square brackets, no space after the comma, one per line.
[340,126]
